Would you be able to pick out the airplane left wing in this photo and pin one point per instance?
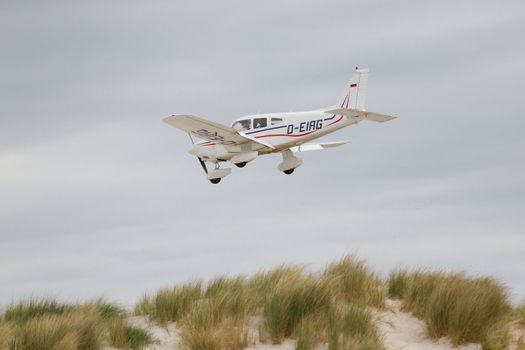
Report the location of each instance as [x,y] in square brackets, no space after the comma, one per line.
[211,131]
[207,130]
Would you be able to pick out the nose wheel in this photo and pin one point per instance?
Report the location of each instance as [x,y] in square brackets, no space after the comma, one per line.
[289,171]
[215,176]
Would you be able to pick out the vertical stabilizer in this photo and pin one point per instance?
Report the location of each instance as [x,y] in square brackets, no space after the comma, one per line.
[355,93]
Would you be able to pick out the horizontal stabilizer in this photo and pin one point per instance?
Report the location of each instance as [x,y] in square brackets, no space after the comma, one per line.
[317,146]
[354,113]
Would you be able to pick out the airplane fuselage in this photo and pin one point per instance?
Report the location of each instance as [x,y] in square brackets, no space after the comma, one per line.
[277,130]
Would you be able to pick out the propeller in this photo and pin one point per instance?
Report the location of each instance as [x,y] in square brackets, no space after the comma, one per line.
[203,165]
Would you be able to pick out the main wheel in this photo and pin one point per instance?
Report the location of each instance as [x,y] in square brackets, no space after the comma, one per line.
[289,171]
[241,164]
[215,181]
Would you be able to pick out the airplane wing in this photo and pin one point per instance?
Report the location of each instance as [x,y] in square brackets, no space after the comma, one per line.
[317,146]
[349,112]
[211,131]
[207,130]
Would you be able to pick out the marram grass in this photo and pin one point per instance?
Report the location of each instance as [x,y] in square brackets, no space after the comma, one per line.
[352,280]
[397,283]
[331,309]
[455,305]
[498,336]
[170,304]
[49,325]
[24,311]
[291,301]
[6,334]
[124,336]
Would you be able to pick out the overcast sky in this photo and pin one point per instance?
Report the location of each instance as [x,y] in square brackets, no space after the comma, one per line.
[98,197]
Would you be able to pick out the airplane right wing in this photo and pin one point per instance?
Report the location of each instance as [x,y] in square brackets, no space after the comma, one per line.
[317,146]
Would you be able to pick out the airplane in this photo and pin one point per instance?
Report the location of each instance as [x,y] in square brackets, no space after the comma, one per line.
[287,133]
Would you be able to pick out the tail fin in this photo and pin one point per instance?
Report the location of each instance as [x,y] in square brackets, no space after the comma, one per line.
[354,96]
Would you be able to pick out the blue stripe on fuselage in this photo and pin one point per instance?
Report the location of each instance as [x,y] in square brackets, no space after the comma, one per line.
[256,131]
[342,104]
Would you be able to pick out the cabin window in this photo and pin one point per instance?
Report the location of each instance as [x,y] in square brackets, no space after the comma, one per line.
[259,123]
[242,125]
[276,121]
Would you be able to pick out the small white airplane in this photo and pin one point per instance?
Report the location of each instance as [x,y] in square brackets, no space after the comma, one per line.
[287,133]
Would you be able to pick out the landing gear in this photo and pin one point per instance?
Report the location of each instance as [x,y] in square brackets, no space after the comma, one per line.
[289,163]
[215,176]
[241,164]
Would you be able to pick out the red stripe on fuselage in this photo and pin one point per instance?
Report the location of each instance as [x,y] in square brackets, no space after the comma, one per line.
[297,135]
[336,121]
[306,133]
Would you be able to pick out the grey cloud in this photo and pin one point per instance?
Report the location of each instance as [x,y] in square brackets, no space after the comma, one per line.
[98,196]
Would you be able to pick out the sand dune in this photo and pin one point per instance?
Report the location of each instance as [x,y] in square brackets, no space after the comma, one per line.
[399,331]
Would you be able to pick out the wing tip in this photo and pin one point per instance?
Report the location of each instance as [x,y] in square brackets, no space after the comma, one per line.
[170,119]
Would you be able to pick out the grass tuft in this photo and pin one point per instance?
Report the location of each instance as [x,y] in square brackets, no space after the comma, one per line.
[47,324]
[351,327]
[519,313]
[24,311]
[6,335]
[461,307]
[290,302]
[354,282]
[122,335]
[170,304]
[398,282]
[224,335]
[77,330]
[309,333]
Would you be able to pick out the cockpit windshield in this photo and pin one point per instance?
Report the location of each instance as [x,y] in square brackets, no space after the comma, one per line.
[242,125]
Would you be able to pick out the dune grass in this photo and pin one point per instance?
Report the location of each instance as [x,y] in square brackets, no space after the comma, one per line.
[519,313]
[47,324]
[6,334]
[24,311]
[210,334]
[292,302]
[215,323]
[326,308]
[331,308]
[398,282]
[353,281]
[169,304]
[124,336]
[499,335]
[351,326]
[455,305]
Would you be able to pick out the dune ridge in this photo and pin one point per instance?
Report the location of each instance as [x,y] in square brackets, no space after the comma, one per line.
[344,306]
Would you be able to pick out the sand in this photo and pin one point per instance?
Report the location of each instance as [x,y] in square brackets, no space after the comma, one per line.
[402,331]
